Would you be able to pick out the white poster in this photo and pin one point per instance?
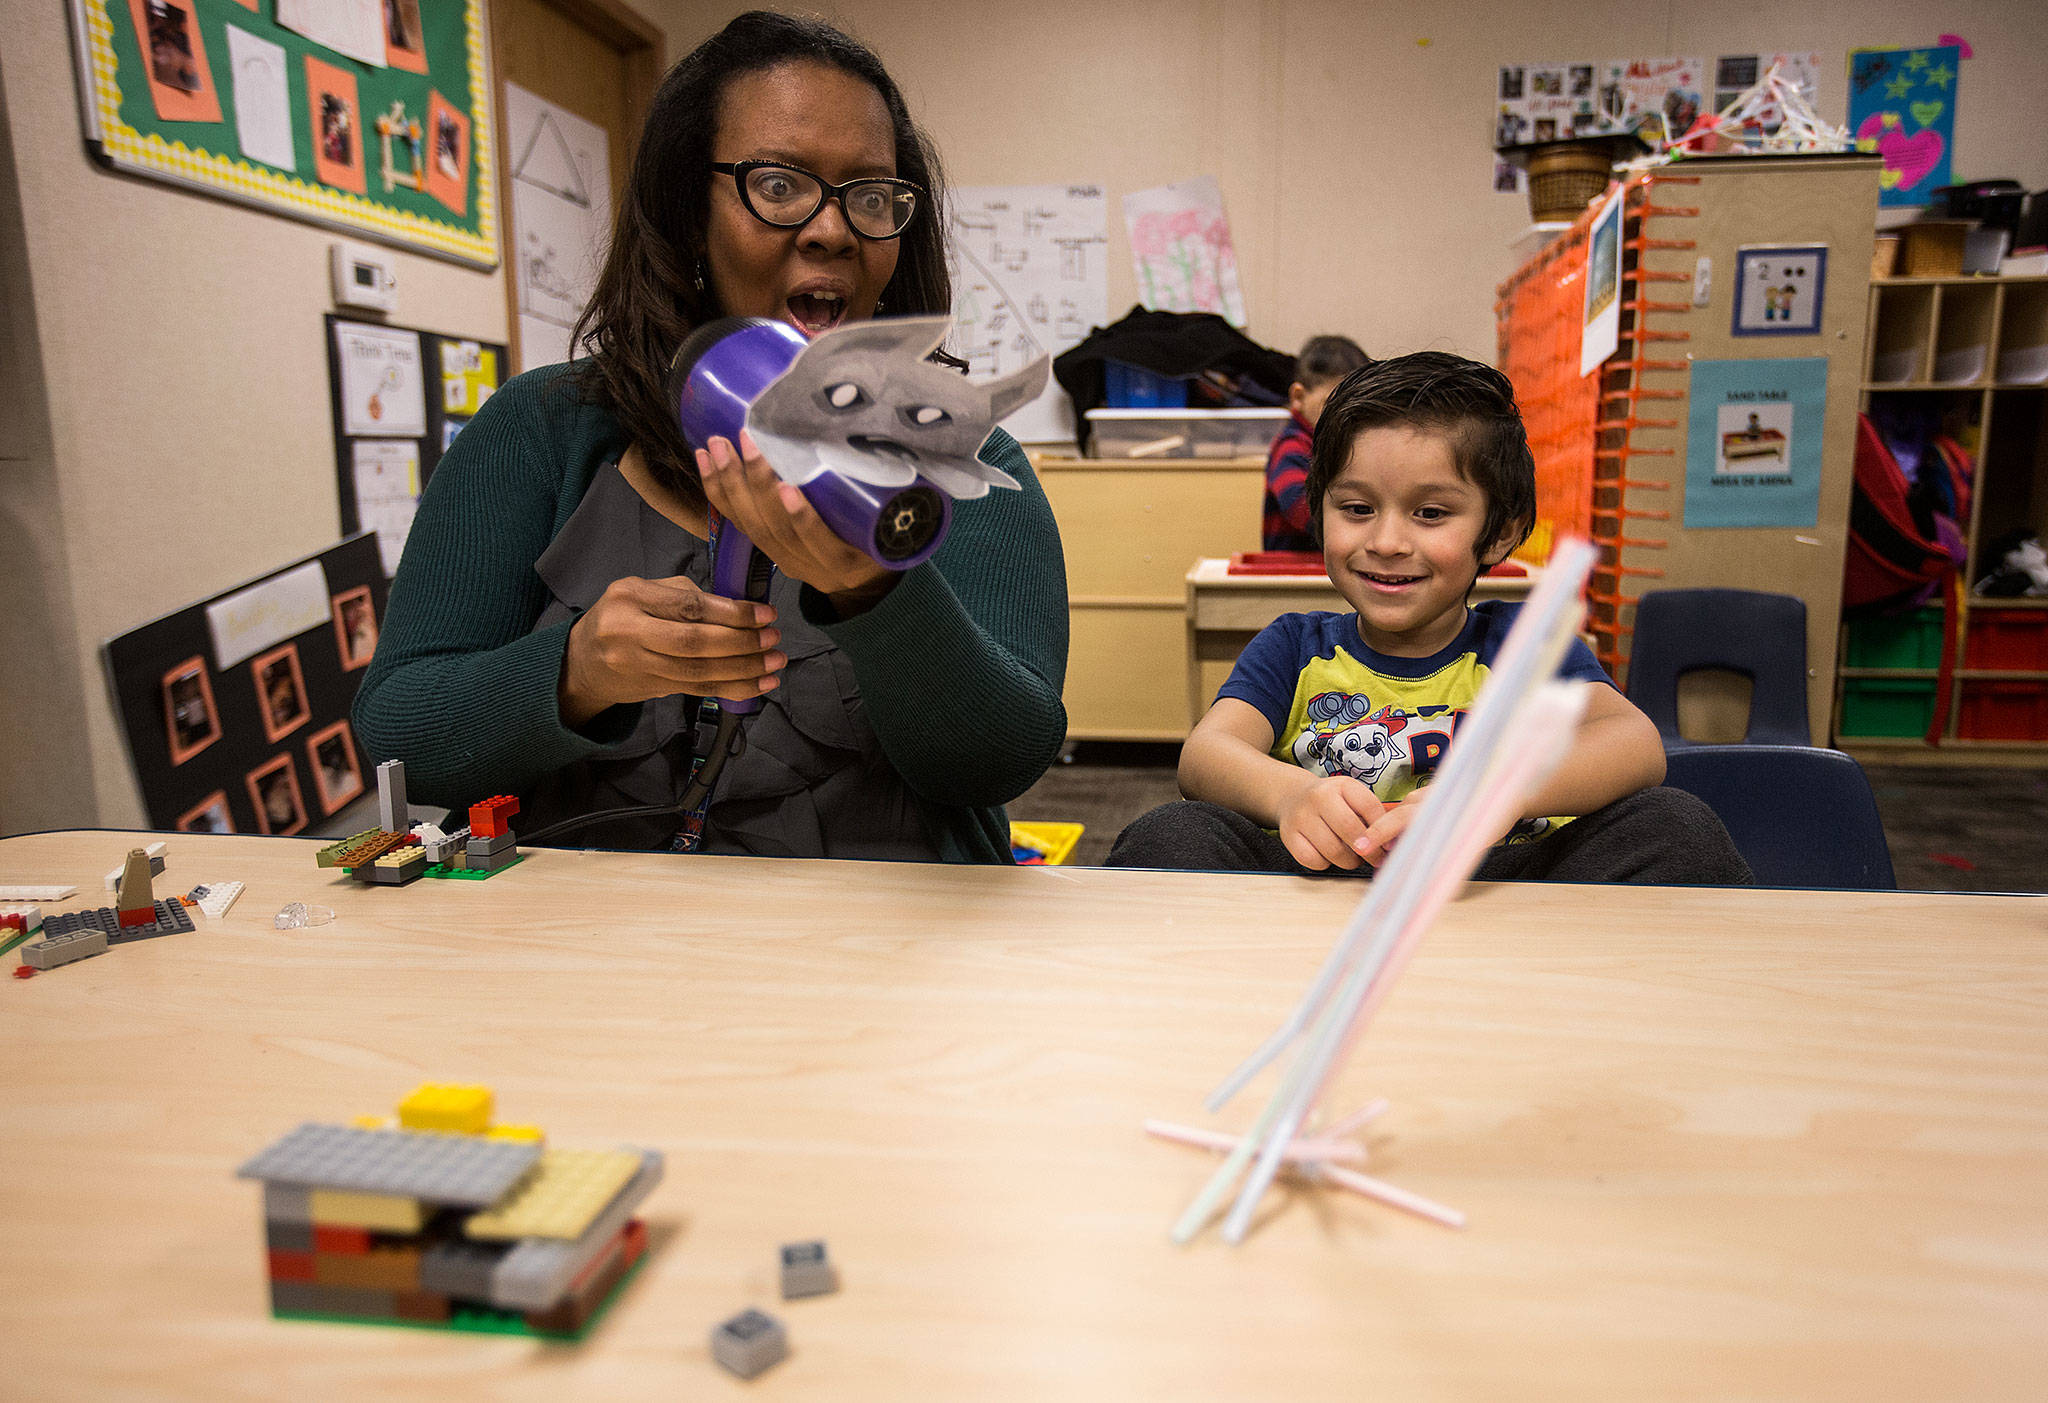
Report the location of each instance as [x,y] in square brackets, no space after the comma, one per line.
[561,219]
[250,620]
[383,388]
[1030,273]
[1602,326]
[387,474]
[263,114]
[1181,249]
[351,27]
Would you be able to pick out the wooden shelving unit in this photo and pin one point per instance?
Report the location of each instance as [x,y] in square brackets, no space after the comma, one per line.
[1967,341]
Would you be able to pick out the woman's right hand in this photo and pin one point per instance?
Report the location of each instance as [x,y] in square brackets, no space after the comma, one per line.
[654,638]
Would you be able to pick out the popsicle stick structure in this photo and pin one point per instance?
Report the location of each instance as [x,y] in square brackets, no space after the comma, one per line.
[1518,730]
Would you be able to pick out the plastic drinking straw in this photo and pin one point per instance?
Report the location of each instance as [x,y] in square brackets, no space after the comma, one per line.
[1322,1148]
[1392,1195]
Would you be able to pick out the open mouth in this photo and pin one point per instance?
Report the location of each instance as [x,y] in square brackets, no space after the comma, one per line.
[815,312]
[881,447]
[1389,581]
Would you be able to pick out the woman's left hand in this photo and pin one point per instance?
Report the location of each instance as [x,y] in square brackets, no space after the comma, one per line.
[780,521]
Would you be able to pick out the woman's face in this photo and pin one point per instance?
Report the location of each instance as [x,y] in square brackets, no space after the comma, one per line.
[832,124]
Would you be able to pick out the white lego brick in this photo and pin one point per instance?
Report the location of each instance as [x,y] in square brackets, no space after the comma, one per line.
[215,898]
[37,893]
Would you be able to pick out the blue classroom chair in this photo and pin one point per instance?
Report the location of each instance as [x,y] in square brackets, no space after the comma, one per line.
[1762,636]
[1800,816]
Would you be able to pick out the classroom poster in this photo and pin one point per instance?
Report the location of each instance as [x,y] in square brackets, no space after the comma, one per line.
[1030,270]
[469,376]
[1753,442]
[561,216]
[262,97]
[387,474]
[383,390]
[1779,289]
[1902,107]
[1181,249]
[353,28]
[1736,74]
[1600,332]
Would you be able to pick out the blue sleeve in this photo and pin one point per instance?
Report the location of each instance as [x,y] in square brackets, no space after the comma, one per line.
[1269,669]
[1580,665]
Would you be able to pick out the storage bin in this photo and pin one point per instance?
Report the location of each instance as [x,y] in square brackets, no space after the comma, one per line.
[2007,640]
[1184,433]
[2004,711]
[1903,640]
[1885,706]
[1132,387]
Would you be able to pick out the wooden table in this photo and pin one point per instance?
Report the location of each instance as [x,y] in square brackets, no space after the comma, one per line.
[1225,611]
[1752,1144]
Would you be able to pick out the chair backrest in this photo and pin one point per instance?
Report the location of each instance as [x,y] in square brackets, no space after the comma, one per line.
[1762,636]
[1800,816]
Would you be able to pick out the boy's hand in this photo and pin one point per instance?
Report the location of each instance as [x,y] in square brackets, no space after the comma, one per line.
[1325,821]
[1378,842]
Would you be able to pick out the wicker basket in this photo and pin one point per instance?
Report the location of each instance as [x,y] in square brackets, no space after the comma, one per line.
[1565,178]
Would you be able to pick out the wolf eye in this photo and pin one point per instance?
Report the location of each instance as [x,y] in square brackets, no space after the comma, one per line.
[924,416]
[845,395]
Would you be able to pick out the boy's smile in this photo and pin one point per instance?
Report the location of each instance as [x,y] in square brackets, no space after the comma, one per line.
[1401,538]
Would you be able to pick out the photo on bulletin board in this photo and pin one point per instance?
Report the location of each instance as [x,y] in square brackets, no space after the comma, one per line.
[209,815]
[189,714]
[1753,442]
[1601,332]
[336,124]
[337,773]
[405,40]
[274,790]
[180,78]
[280,691]
[1779,289]
[355,627]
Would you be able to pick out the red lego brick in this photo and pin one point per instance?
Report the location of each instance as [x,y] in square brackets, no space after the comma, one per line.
[493,816]
[290,1266]
[349,1241]
[140,916]
[14,920]
[24,971]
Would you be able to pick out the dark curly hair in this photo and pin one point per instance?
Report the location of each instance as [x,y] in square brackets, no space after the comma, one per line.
[1472,404]
[648,299]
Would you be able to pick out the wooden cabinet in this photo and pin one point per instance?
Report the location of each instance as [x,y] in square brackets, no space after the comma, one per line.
[1131,529]
[1972,351]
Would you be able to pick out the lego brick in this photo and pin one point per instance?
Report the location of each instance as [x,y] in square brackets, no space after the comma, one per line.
[538,1271]
[463,1110]
[383,1212]
[331,855]
[442,846]
[44,893]
[302,1298]
[459,874]
[561,1198]
[461,1268]
[27,917]
[391,809]
[64,948]
[333,1238]
[369,849]
[285,1203]
[396,868]
[491,862]
[486,847]
[154,852]
[806,1271]
[464,1170]
[493,816]
[280,1235]
[517,1132]
[423,1307]
[380,1269]
[216,898]
[287,1265]
[749,1343]
[133,916]
[590,1293]
[170,913]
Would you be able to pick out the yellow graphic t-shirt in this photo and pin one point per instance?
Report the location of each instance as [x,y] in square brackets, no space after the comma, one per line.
[1340,708]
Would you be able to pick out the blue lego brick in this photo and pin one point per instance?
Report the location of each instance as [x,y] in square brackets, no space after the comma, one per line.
[464,1170]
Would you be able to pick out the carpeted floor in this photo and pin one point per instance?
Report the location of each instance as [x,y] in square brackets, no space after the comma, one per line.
[1951,828]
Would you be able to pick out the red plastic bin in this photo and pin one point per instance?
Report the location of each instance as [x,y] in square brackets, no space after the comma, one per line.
[2004,711]
[2007,640]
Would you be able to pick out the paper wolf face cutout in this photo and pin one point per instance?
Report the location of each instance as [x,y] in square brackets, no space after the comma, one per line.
[862,401]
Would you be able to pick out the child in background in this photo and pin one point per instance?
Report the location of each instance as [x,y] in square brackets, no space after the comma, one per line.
[1420,479]
[1324,360]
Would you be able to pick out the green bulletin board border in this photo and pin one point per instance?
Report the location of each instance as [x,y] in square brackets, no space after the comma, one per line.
[471,240]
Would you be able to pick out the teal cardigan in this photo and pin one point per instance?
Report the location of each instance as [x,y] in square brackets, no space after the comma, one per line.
[960,666]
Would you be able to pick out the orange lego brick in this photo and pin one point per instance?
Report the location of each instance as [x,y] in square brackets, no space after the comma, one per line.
[340,1241]
[493,816]
[291,1266]
[379,1269]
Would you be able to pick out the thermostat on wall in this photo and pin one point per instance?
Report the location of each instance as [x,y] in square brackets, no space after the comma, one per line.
[364,278]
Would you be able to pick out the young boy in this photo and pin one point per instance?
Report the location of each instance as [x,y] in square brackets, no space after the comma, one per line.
[1324,360]
[1421,478]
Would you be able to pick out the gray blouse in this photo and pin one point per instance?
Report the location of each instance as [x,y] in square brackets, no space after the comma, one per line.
[811,779]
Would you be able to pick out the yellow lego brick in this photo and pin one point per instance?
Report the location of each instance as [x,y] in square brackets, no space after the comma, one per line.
[398,857]
[515,1132]
[466,1110]
[372,1122]
[561,1196]
[378,1212]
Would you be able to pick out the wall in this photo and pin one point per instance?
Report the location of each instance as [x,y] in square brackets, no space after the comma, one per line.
[166,384]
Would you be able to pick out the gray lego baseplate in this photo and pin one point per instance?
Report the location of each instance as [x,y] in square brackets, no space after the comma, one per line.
[171,919]
[463,1170]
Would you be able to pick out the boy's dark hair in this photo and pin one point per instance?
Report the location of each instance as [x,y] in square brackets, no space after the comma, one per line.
[651,292]
[1472,404]
[1327,358]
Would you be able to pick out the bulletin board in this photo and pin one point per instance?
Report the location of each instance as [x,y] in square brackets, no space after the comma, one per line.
[368,116]
[399,398]
[236,709]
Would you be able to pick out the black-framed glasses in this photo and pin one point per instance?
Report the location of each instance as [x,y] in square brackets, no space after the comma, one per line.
[789,197]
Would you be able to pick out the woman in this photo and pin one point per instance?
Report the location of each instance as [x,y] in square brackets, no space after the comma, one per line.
[549,630]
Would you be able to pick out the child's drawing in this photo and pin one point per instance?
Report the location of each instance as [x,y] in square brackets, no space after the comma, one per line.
[1181,248]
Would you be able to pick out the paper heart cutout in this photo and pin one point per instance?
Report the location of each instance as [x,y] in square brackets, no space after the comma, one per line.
[1911,156]
[1925,112]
